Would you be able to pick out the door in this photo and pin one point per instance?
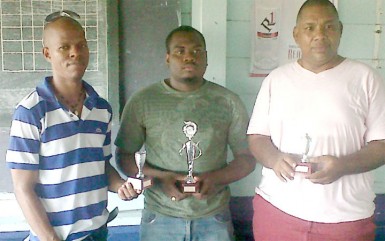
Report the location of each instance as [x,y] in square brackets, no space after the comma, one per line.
[144,25]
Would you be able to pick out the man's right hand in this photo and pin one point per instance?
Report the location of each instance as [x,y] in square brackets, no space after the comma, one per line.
[127,192]
[284,166]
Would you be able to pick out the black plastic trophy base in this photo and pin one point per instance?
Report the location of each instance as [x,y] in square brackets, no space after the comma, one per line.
[140,184]
[303,168]
[190,187]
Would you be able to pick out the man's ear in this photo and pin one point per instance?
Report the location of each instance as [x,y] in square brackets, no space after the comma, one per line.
[46,54]
[207,60]
[167,59]
[295,33]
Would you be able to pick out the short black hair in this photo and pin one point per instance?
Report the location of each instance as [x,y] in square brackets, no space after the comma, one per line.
[325,3]
[183,28]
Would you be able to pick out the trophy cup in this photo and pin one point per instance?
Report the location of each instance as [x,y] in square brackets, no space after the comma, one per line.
[304,166]
[140,182]
[190,128]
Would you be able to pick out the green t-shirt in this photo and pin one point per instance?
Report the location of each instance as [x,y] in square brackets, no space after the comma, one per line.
[156,116]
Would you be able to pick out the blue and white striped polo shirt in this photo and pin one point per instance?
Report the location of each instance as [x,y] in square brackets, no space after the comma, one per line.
[70,155]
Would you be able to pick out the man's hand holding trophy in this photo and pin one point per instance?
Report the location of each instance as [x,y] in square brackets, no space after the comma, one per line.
[140,181]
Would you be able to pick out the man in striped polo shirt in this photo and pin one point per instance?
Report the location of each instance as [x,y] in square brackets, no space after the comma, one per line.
[59,148]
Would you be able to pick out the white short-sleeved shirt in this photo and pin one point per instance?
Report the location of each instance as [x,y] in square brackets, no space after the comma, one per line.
[341,109]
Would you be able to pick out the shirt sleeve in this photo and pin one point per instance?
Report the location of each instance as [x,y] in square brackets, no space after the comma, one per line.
[237,130]
[107,142]
[131,134]
[375,120]
[24,140]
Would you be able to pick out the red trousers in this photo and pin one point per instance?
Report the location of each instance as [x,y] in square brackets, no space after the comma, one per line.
[271,224]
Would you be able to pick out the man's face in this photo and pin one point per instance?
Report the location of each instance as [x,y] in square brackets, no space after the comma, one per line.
[318,34]
[66,49]
[187,59]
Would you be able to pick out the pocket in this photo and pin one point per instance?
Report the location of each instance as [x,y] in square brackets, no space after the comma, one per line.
[148,217]
[223,217]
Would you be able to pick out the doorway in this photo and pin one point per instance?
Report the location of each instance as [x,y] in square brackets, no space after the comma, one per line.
[143,28]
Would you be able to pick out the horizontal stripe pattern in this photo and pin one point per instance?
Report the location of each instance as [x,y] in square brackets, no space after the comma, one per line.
[22,166]
[79,200]
[71,172]
[66,129]
[77,156]
[80,230]
[76,235]
[71,143]
[24,130]
[70,155]
[55,117]
[23,145]
[70,217]
[71,187]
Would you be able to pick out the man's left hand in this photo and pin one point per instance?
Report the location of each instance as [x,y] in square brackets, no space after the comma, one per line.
[328,169]
[208,185]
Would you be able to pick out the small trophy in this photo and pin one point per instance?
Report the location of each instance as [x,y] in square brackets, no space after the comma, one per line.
[140,182]
[190,128]
[304,166]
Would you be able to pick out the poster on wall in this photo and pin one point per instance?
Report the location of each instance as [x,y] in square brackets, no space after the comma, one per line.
[272,42]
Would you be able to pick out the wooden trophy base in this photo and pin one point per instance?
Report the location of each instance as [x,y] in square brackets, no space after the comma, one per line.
[140,184]
[303,168]
[147,182]
[190,187]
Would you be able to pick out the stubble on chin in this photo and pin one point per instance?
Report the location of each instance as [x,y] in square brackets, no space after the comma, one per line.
[189,80]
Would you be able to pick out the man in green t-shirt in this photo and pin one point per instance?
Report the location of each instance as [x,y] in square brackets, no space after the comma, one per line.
[186,124]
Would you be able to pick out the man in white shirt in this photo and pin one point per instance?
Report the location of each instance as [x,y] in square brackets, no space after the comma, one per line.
[339,105]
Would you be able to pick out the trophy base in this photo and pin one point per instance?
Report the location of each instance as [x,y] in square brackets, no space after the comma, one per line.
[140,184]
[190,187]
[303,168]
[147,182]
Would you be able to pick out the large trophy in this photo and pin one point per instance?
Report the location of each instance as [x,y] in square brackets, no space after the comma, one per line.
[192,152]
[304,166]
[140,182]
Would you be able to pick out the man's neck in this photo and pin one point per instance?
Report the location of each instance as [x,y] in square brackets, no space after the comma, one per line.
[186,85]
[67,87]
[318,68]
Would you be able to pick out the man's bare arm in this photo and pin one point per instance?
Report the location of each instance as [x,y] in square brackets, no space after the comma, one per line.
[24,182]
